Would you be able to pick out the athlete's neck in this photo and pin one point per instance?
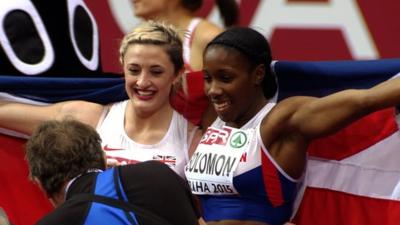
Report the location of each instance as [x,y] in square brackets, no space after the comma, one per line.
[59,198]
[252,110]
[147,127]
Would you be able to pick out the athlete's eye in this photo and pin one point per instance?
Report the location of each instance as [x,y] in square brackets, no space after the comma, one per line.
[156,71]
[224,77]
[134,70]
[206,76]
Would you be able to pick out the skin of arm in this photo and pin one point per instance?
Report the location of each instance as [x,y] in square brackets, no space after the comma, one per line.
[200,41]
[294,122]
[25,118]
[327,115]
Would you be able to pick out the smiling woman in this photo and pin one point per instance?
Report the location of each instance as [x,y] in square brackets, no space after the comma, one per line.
[144,127]
[148,78]
[251,160]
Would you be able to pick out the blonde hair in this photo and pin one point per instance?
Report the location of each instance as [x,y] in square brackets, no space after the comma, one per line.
[155,33]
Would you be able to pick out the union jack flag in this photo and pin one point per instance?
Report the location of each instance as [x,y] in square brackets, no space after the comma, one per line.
[355,175]
[166,159]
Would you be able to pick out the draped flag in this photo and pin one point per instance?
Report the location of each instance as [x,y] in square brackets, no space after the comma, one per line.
[351,176]
[22,200]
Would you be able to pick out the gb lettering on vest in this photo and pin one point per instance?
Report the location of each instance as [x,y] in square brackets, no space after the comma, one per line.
[212,166]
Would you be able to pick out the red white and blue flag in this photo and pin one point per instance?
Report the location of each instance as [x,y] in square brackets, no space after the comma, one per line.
[351,178]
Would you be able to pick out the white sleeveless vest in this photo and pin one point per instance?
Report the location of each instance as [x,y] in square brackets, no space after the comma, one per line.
[171,150]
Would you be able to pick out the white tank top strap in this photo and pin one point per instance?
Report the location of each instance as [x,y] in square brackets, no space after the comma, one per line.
[191,135]
[190,139]
[111,116]
[259,116]
[187,40]
[103,115]
[180,125]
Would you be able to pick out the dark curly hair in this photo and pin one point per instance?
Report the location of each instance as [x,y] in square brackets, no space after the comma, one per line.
[61,150]
[254,47]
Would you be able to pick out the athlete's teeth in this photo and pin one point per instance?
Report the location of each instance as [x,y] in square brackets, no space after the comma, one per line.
[220,105]
[145,93]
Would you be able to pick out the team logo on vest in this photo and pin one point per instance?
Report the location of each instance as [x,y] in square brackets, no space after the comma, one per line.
[216,136]
[238,139]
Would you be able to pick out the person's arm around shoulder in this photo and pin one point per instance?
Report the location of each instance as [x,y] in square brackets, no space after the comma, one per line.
[204,33]
[86,112]
[25,118]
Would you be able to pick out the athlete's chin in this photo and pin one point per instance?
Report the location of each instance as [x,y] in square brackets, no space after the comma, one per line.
[144,14]
[138,11]
[226,117]
[144,106]
[139,14]
[223,112]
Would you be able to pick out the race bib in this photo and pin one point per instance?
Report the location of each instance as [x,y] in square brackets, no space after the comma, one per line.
[210,169]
